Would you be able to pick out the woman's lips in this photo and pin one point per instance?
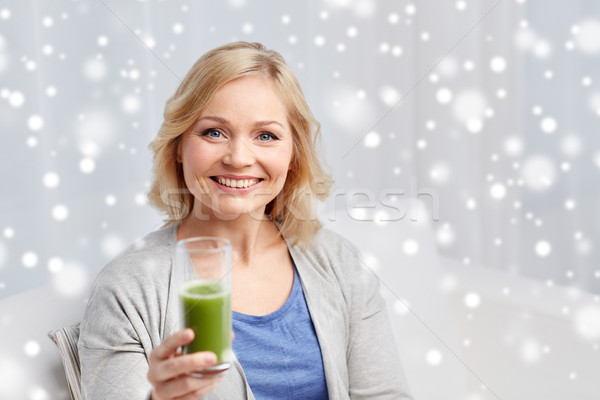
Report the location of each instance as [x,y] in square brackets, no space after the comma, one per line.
[236,185]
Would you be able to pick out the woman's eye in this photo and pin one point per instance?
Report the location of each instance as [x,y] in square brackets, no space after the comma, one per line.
[265,137]
[213,133]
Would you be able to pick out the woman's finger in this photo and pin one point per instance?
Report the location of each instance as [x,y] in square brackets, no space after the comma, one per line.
[169,346]
[175,366]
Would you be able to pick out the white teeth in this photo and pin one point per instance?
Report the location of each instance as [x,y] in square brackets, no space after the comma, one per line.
[242,183]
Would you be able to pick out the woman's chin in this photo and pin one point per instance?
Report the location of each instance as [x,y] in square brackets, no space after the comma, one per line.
[229,210]
[241,215]
[235,213]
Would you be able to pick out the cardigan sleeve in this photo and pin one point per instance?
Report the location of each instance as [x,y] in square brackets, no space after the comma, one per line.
[126,316]
[113,361]
[129,312]
[115,344]
[374,367]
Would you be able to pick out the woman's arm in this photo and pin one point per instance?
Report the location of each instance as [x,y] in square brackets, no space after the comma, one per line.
[117,362]
[112,356]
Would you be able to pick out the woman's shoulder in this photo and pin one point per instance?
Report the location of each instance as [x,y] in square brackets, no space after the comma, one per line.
[144,258]
[330,252]
[332,245]
[129,292]
[329,259]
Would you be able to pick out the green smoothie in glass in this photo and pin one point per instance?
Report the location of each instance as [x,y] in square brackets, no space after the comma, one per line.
[206,307]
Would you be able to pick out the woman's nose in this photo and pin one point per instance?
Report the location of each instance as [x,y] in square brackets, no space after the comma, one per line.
[239,154]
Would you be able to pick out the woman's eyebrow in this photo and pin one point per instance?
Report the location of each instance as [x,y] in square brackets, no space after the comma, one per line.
[264,123]
[225,122]
[216,119]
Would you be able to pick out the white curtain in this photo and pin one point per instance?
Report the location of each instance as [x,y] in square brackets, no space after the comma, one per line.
[489,107]
[492,108]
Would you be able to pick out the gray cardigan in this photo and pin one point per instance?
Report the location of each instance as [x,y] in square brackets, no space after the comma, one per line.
[133,306]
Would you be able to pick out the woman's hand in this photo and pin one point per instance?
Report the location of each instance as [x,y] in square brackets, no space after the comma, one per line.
[169,368]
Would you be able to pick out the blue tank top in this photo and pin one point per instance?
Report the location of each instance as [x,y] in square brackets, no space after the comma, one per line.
[280,353]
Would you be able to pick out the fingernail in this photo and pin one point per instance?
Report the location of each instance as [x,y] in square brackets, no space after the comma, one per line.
[210,358]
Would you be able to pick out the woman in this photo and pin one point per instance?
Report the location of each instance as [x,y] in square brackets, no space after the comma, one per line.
[236,158]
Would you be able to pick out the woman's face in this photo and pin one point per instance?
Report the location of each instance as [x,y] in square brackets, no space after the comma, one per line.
[237,154]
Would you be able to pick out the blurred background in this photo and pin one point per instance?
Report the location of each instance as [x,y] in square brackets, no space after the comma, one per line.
[477,118]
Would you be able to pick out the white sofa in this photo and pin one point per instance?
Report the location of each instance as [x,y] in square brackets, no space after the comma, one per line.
[30,363]
[526,339]
[473,333]
[520,345]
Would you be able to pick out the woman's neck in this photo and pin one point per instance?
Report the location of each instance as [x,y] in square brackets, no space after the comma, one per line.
[248,234]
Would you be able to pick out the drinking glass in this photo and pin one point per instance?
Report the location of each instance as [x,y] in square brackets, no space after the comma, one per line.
[203,268]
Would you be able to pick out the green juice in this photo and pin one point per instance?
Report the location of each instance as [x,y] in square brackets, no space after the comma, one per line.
[206,307]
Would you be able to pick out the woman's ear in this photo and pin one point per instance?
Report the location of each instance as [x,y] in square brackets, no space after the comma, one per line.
[294,156]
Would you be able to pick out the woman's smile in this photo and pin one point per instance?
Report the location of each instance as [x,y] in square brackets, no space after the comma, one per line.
[241,184]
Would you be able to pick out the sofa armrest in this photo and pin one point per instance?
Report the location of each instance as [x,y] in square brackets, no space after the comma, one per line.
[522,337]
[30,365]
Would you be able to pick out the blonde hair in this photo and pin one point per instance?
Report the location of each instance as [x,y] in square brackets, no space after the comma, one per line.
[294,208]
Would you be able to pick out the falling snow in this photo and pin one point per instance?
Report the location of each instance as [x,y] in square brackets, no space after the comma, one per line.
[444,95]
[543,248]
[410,247]
[539,172]
[445,235]
[16,99]
[469,105]
[31,348]
[372,140]
[587,322]
[3,254]
[70,281]
[35,122]
[498,191]
[29,259]
[55,265]
[60,212]
[434,357]
[389,95]
[499,130]
[51,180]
[548,125]
[498,64]
[95,69]
[87,165]
[587,36]
[472,300]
